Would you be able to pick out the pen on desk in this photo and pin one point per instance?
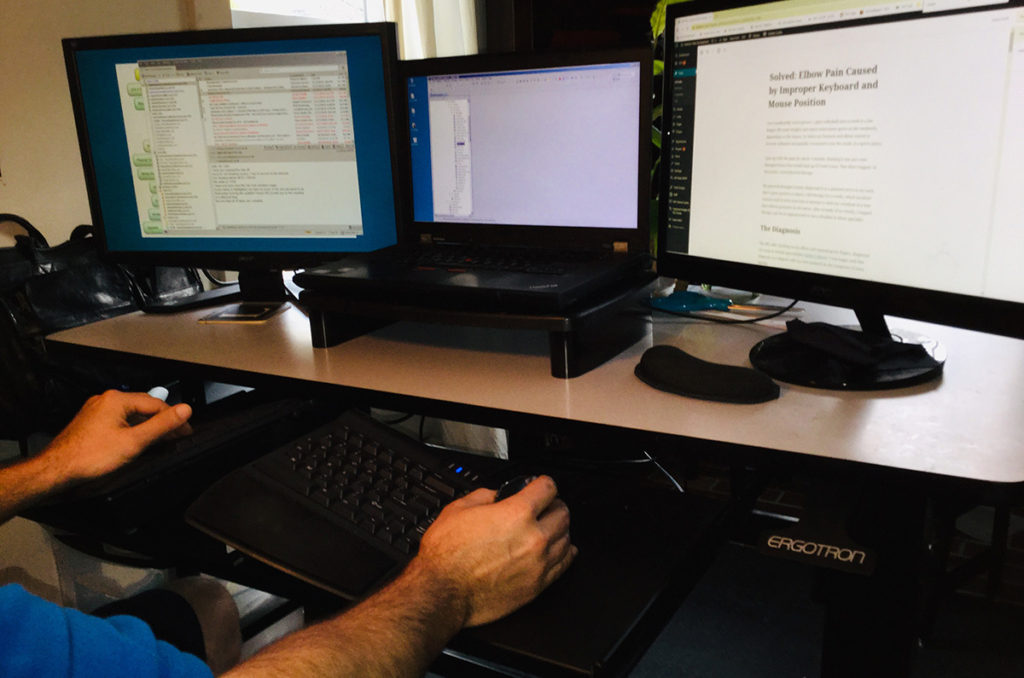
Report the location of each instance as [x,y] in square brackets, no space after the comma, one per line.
[759,308]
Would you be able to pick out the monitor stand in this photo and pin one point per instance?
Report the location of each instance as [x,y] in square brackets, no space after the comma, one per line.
[832,357]
[580,338]
[263,286]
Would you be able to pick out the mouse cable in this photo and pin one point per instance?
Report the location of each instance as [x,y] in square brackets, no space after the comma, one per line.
[730,321]
[671,478]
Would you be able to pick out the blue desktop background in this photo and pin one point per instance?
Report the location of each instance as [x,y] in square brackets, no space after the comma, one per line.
[113,170]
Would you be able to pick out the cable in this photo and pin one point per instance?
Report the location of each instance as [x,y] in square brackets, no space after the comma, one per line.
[215,280]
[729,321]
[671,478]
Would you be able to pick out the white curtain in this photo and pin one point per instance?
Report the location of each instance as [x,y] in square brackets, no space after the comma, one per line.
[426,28]
[433,28]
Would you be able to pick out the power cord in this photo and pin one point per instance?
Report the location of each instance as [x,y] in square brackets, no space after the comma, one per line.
[214,279]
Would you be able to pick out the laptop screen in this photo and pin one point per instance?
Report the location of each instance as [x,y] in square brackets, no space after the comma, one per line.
[548,144]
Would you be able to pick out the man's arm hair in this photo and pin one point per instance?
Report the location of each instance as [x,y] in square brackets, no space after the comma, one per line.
[23,484]
[396,632]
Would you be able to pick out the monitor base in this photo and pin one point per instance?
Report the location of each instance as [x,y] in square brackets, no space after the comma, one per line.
[262,285]
[831,357]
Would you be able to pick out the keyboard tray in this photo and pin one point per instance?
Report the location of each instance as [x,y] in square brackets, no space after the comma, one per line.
[348,536]
[642,546]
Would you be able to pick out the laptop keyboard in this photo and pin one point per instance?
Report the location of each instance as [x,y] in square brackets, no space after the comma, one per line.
[366,478]
[511,259]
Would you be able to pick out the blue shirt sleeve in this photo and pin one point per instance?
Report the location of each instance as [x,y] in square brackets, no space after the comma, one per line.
[39,639]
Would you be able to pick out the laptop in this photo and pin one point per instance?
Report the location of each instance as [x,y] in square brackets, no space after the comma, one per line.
[543,159]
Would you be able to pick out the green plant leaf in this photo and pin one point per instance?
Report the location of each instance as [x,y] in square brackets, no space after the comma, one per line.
[658,18]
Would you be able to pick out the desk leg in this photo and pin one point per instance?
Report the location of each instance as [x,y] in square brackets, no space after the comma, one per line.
[872,623]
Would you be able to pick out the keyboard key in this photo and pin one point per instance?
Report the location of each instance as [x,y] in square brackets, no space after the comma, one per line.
[439,485]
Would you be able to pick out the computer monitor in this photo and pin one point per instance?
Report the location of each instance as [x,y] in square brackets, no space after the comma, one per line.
[861,153]
[534,148]
[256,150]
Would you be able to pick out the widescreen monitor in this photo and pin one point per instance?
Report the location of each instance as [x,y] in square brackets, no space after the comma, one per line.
[256,150]
[865,154]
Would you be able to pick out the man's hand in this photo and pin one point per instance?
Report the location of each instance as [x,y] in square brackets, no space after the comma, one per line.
[110,430]
[499,556]
[479,561]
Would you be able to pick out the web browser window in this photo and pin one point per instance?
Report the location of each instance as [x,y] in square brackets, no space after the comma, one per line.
[880,141]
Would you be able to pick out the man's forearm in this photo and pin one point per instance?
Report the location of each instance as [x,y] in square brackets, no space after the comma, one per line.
[24,483]
[396,632]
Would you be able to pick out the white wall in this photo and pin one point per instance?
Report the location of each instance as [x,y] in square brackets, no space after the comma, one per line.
[40,165]
[41,168]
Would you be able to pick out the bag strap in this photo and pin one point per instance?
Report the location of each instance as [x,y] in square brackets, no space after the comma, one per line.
[34,234]
[82,231]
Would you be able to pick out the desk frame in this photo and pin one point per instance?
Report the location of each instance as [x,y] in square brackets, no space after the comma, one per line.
[906,446]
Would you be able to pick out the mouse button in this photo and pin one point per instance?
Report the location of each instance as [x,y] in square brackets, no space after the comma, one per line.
[511,486]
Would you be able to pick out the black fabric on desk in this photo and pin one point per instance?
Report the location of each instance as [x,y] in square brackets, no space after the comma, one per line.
[827,356]
[856,348]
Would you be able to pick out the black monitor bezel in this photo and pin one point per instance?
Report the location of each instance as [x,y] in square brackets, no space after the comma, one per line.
[946,308]
[637,239]
[228,260]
